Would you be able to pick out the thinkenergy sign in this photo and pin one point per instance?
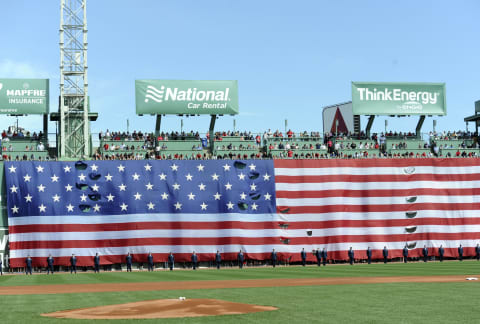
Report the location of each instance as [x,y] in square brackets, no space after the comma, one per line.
[24,96]
[385,98]
[186,97]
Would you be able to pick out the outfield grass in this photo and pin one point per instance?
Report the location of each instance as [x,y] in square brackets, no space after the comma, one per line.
[374,303]
[358,270]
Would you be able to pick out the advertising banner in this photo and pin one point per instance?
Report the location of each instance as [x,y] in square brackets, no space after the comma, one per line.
[388,98]
[186,97]
[24,96]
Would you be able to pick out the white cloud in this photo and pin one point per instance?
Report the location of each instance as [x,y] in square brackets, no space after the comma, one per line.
[13,69]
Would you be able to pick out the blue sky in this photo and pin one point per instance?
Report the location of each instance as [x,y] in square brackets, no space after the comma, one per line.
[291,58]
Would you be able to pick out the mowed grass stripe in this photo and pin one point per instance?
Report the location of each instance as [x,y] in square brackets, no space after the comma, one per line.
[358,270]
[375,303]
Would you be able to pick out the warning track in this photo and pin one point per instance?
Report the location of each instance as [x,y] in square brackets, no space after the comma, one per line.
[218,284]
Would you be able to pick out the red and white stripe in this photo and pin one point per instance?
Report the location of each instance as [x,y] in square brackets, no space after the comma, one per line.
[363,203]
[113,236]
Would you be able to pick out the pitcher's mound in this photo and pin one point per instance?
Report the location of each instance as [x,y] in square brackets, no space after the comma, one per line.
[162,308]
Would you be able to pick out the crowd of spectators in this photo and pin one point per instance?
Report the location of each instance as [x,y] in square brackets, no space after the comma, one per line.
[148,137]
[455,135]
[244,136]
[12,134]
[26,157]
[267,145]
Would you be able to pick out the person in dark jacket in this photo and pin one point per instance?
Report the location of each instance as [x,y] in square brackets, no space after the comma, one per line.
[73,264]
[405,254]
[460,253]
[318,255]
[369,255]
[171,261]
[351,256]
[425,253]
[96,263]
[218,259]
[303,255]
[50,262]
[385,254]
[324,256]
[28,265]
[150,263]
[1,268]
[128,259]
[274,258]
[441,251]
[477,252]
[240,259]
[194,259]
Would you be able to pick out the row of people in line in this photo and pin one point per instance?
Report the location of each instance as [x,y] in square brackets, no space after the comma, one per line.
[405,251]
[321,256]
[129,260]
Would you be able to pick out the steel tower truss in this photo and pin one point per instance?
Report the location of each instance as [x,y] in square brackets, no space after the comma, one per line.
[74,137]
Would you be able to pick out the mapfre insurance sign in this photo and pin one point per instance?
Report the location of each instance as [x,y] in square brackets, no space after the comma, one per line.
[24,96]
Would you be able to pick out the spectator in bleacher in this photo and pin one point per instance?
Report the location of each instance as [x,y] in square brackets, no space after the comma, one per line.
[258,140]
[382,140]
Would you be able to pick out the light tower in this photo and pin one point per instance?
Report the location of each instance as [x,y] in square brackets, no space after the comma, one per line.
[74,119]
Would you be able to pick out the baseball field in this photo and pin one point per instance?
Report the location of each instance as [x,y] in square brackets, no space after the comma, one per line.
[395,293]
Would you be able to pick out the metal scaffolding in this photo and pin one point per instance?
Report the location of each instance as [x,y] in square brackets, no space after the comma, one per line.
[74,138]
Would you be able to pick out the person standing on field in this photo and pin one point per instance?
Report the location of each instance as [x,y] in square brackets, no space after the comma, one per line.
[425,253]
[50,262]
[128,259]
[150,263]
[171,261]
[405,254]
[441,251]
[303,255]
[194,258]
[477,252]
[96,263]
[274,258]
[240,259]
[385,254]
[324,256]
[318,255]
[460,253]
[218,259]
[28,265]
[351,256]
[73,264]
[369,255]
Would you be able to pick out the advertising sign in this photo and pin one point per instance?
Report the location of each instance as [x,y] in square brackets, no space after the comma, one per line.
[338,118]
[387,98]
[24,96]
[186,97]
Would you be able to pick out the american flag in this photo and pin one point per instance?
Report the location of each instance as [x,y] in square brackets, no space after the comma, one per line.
[116,207]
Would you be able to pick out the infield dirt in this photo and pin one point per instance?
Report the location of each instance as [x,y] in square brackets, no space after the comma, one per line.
[162,308]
